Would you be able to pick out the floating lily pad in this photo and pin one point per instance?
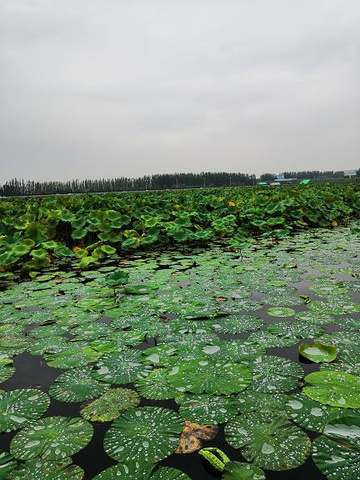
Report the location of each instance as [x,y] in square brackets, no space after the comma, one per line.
[275,374]
[210,377]
[318,352]
[7,464]
[309,413]
[110,405]
[124,367]
[156,386]
[268,441]
[71,357]
[249,401]
[280,312]
[130,472]
[7,368]
[238,324]
[242,471]
[338,389]
[210,409]
[144,435]
[335,460]
[43,470]
[77,385]
[345,429]
[19,407]
[51,438]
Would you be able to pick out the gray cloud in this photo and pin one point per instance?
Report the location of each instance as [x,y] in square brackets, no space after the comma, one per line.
[111,88]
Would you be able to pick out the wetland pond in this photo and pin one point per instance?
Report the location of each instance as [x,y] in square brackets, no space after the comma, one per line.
[97,382]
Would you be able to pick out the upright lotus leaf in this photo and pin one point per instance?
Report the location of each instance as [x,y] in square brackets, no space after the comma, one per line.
[144,435]
[51,438]
[156,386]
[192,436]
[77,385]
[110,405]
[310,414]
[269,441]
[280,312]
[7,368]
[211,409]
[345,429]
[19,407]
[318,352]
[275,374]
[335,460]
[203,376]
[7,464]
[242,471]
[337,389]
[39,469]
[124,367]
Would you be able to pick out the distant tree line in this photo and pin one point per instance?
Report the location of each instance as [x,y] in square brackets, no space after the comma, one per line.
[16,187]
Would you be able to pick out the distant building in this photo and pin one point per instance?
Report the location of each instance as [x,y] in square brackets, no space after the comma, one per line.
[349,173]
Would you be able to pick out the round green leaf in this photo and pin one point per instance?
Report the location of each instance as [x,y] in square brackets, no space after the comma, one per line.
[338,389]
[156,386]
[110,405]
[51,438]
[77,385]
[275,374]
[7,464]
[335,460]
[210,377]
[242,471]
[318,352]
[123,367]
[269,441]
[19,407]
[280,312]
[39,469]
[208,409]
[144,435]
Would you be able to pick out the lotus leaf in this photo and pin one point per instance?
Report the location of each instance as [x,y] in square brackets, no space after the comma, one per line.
[77,385]
[296,330]
[39,469]
[125,472]
[73,356]
[238,324]
[269,441]
[7,464]
[156,386]
[144,435]
[337,389]
[310,414]
[208,408]
[124,367]
[280,312]
[7,369]
[51,438]
[204,376]
[275,374]
[110,405]
[318,352]
[345,429]
[242,471]
[335,460]
[19,407]
[249,401]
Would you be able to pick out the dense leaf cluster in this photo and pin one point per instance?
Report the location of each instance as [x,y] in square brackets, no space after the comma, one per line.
[35,230]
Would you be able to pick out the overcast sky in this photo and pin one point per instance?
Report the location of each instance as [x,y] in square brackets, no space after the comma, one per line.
[107,88]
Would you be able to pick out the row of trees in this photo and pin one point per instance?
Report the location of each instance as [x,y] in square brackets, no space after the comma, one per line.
[153,182]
